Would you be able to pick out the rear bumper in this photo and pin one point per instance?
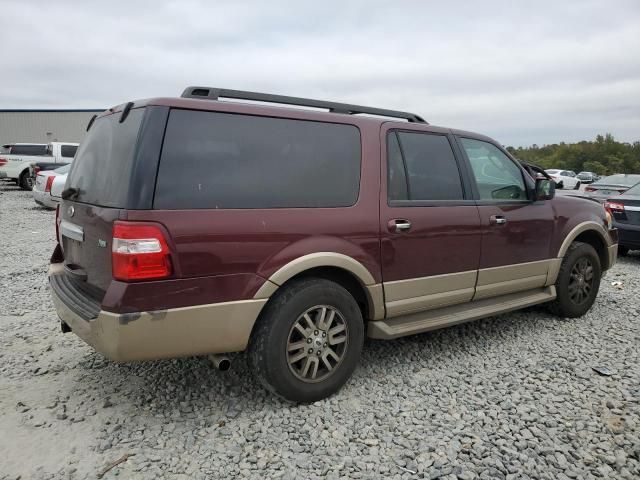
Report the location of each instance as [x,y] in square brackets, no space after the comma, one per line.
[180,332]
[44,199]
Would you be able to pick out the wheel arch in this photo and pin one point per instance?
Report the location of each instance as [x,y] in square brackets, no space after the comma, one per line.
[588,232]
[342,269]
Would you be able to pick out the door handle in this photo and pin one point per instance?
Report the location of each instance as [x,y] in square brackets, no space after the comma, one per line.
[399,225]
[497,220]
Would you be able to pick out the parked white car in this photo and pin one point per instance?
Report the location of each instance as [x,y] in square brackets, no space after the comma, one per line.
[48,186]
[564,178]
[15,164]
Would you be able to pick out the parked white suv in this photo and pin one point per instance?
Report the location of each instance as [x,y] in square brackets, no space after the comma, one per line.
[564,178]
[15,163]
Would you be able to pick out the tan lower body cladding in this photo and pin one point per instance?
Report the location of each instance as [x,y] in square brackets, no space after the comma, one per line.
[179,332]
[414,295]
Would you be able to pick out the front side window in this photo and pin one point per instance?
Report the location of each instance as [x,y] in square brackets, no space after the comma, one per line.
[426,165]
[222,160]
[497,176]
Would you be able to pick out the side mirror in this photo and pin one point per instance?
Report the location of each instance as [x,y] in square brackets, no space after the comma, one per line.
[545,189]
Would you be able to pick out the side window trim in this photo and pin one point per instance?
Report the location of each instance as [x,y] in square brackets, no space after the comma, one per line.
[463,173]
[472,178]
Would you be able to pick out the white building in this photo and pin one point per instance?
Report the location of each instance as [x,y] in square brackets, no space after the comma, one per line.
[43,126]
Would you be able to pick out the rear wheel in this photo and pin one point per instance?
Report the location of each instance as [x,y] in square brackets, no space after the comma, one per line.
[578,281]
[308,340]
[25,182]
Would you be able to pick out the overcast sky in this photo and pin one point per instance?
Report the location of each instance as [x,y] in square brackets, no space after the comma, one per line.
[521,72]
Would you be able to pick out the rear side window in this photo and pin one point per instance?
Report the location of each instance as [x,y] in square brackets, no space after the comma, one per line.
[221,160]
[426,163]
[102,167]
[68,150]
[29,150]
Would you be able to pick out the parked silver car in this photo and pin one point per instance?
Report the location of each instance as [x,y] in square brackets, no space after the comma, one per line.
[49,185]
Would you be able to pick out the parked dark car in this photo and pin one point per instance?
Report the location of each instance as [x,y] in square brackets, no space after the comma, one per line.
[625,210]
[195,226]
[611,185]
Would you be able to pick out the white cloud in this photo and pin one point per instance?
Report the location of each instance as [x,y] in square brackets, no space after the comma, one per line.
[523,73]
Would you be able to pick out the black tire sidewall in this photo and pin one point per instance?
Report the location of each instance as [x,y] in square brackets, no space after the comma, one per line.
[566,306]
[23,181]
[278,319]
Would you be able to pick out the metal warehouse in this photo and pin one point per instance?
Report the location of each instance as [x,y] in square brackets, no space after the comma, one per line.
[43,126]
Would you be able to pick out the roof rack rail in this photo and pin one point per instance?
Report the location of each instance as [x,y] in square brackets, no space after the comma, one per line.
[210,93]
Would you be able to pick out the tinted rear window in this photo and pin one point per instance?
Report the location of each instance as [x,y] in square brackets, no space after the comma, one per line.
[221,160]
[29,150]
[68,150]
[104,160]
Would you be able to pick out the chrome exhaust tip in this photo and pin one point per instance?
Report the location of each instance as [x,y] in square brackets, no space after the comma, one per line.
[221,362]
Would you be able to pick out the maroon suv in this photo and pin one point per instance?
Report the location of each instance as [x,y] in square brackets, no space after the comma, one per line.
[195,226]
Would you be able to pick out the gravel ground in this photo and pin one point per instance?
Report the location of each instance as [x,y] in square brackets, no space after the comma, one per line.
[509,397]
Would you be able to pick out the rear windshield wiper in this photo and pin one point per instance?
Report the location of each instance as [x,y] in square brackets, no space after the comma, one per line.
[67,193]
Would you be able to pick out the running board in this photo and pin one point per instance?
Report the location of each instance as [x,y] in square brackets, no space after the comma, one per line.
[465,312]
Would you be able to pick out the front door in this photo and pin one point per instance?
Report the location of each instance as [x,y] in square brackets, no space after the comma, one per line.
[516,231]
[430,226]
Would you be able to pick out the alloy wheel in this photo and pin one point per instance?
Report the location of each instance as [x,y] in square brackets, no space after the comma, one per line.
[317,343]
[581,280]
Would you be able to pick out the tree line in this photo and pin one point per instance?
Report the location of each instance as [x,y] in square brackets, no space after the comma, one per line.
[604,156]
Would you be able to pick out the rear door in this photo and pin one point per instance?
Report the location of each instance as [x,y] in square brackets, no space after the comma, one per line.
[516,231]
[430,226]
[98,188]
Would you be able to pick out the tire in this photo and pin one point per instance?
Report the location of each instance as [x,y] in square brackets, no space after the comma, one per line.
[25,182]
[577,187]
[270,348]
[560,185]
[572,298]
[623,251]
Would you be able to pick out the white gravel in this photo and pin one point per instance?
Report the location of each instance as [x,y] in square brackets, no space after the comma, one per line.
[509,397]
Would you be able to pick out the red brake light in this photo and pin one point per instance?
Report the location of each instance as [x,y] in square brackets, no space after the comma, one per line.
[36,170]
[589,189]
[611,206]
[50,179]
[139,252]
[3,161]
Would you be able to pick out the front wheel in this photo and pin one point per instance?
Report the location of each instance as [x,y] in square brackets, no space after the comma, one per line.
[578,281]
[308,340]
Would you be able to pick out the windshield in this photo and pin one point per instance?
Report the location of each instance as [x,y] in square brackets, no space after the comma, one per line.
[103,162]
[619,179]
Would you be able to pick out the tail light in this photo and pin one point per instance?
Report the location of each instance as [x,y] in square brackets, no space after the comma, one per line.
[36,170]
[3,161]
[589,189]
[50,180]
[139,252]
[614,206]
